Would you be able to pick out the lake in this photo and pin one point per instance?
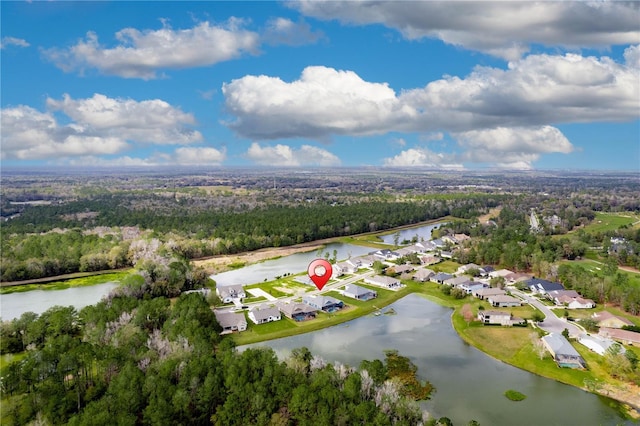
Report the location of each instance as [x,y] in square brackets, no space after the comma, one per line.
[293,264]
[469,384]
[299,262]
[13,305]
[422,232]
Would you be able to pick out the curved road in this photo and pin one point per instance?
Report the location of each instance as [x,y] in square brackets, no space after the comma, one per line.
[551,323]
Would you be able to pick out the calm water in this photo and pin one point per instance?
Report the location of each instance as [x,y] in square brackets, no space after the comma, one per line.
[15,304]
[293,264]
[470,384]
[423,233]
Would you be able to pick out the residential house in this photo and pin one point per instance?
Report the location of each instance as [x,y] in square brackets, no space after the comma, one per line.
[609,320]
[297,311]
[543,287]
[426,246]
[504,301]
[384,254]
[441,277]
[486,270]
[408,250]
[516,277]
[360,293]
[228,293]
[466,268]
[486,292]
[562,352]
[231,321]
[439,243]
[619,245]
[581,303]
[456,281]
[402,269]
[323,303]
[446,254]
[423,275]
[500,273]
[471,286]
[450,239]
[383,281]
[623,336]
[498,318]
[461,238]
[264,315]
[342,268]
[363,261]
[429,259]
[598,344]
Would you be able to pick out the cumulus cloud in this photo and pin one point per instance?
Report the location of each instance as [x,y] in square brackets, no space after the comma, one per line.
[537,90]
[323,102]
[503,29]
[199,156]
[13,41]
[140,54]
[153,121]
[284,31]
[424,158]
[284,155]
[97,126]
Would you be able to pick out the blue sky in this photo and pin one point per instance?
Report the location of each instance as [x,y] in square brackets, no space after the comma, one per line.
[431,85]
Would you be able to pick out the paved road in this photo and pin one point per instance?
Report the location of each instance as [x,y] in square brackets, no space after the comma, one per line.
[551,323]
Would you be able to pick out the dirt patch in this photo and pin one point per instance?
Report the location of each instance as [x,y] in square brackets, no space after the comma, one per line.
[284,290]
[494,212]
[219,264]
[628,394]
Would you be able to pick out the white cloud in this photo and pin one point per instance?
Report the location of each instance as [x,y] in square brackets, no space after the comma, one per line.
[285,31]
[13,41]
[140,54]
[324,101]
[503,29]
[284,155]
[153,121]
[537,90]
[424,158]
[199,156]
[98,126]
[632,56]
[514,148]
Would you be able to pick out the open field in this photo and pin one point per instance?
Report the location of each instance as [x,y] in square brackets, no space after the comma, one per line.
[610,221]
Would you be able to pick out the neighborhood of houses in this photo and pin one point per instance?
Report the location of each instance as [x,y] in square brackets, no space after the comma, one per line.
[472,279]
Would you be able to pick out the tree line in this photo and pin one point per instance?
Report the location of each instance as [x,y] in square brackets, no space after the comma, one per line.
[140,359]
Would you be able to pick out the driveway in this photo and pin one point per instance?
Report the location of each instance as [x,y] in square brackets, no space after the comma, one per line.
[551,323]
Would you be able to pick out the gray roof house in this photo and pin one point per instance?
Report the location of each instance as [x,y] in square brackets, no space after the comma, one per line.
[360,293]
[483,293]
[562,352]
[324,303]
[441,277]
[423,275]
[504,301]
[543,286]
[498,318]
[229,292]
[456,281]
[297,311]
[231,321]
[264,315]
[383,281]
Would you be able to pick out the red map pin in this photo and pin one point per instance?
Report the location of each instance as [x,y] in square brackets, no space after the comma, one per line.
[320,271]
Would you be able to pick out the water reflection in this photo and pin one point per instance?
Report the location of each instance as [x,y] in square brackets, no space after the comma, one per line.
[470,384]
[422,233]
[13,305]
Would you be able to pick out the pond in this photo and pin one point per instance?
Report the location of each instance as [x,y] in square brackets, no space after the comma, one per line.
[422,232]
[294,264]
[13,305]
[469,384]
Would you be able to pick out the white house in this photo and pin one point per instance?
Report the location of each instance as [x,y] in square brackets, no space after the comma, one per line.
[228,293]
[598,344]
[382,281]
[264,315]
[231,321]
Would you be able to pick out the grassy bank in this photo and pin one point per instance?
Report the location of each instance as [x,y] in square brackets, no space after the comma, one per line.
[73,282]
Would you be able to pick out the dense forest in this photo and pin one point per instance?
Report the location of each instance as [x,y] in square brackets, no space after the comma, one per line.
[138,359]
[112,237]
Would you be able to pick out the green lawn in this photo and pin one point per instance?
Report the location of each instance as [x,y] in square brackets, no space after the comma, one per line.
[448,266]
[610,221]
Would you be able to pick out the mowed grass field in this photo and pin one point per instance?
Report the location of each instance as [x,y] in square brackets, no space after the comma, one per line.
[611,221]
